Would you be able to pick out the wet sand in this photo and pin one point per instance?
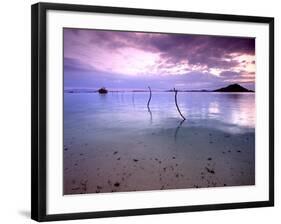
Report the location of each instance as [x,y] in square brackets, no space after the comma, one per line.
[159,159]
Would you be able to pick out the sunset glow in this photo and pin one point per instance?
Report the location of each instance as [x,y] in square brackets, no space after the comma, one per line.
[94,58]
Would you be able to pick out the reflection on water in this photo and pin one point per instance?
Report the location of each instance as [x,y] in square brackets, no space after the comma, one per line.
[150,114]
[214,108]
[177,129]
[230,112]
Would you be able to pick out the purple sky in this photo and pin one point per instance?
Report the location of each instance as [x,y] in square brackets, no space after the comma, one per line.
[135,60]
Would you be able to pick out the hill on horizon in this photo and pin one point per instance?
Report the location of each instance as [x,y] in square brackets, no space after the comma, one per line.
[233,88]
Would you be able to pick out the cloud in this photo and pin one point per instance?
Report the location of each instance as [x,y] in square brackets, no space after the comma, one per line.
[229,74]
[72,64]
[157,54]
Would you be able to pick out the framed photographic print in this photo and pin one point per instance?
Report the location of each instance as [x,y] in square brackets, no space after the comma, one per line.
[139,111]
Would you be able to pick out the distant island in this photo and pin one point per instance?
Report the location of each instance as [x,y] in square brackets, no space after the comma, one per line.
[233,88]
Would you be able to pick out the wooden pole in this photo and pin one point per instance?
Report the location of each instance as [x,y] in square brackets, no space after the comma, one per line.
[176,102]
[149,98]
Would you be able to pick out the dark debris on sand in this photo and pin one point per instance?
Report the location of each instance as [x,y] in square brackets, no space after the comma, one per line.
[75,188]
[210,170]
[117,184]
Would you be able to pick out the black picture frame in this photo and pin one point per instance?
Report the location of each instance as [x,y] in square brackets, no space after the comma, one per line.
[39,121]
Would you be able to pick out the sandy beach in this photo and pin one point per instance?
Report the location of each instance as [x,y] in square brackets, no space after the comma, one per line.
[159,159]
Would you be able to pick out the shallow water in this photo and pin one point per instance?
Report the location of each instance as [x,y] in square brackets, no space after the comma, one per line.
[112,142]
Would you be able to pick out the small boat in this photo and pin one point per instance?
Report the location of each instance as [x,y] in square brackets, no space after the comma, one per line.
[103,90]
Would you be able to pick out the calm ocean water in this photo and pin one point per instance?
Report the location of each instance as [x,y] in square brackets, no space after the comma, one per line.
[115,138]
[127,112]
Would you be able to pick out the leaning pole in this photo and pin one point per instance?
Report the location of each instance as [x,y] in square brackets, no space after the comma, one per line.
[149,98]
[176,102]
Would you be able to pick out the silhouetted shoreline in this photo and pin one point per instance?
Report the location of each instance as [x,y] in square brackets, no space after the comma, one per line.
[233,88]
